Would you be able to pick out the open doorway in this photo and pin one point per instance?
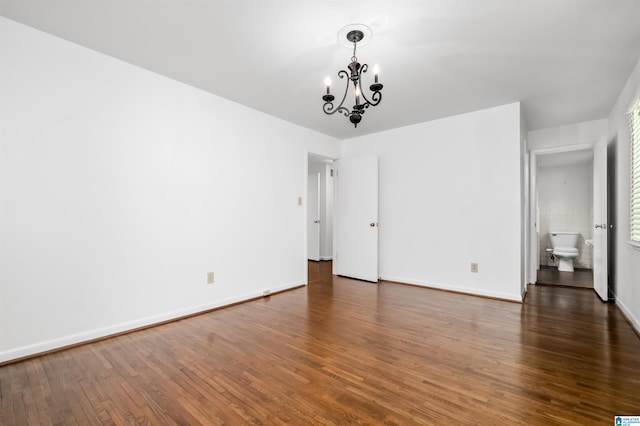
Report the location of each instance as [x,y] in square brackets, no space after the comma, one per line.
[600,226]
[565,218]
[320,189]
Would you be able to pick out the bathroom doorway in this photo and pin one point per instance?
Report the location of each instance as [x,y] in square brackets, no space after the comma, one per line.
[320,213]
[564,204]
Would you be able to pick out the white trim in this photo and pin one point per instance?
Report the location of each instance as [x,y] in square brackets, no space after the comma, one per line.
[98,333]
[515,297]
[564,148]
[635,323]
[305,232]
[634,144]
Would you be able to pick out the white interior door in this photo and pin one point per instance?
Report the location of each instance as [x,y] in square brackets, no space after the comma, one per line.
[356,218]
[600,225]
[313,217]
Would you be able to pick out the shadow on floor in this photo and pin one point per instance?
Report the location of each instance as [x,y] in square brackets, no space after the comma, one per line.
[550,275]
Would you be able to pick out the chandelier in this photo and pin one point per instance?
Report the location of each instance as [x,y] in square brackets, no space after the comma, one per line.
[355,76]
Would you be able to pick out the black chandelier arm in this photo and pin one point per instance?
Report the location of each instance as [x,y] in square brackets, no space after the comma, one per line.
[328,109]
[366,100]
[344,74]
[328,106]
[376,97]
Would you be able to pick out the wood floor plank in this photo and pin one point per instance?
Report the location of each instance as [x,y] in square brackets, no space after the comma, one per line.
[342,351]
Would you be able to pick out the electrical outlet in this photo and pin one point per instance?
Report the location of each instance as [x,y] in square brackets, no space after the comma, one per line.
[474,267]
[209,277]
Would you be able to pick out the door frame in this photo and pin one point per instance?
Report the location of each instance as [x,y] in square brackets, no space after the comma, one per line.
[313,180]
[532,254]
[308,156]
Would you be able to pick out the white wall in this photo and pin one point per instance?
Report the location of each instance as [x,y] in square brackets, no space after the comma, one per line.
[566,186]
[627,267]
[450,195]
[565,200]
[121,189]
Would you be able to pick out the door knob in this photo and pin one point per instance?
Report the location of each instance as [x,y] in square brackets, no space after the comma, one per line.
[316,221]
[601,226]
[372,224]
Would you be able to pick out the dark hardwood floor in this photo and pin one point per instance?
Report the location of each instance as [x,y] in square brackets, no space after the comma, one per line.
[549,275]
[341,351]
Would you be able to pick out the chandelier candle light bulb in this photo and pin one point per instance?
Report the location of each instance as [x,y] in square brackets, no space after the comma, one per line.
[354,75]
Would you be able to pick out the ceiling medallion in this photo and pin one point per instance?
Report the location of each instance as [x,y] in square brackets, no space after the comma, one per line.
[354,34]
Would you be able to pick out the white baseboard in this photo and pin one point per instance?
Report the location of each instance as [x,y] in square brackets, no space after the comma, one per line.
[89,335]
[458,289]
[635,323]
[326,257]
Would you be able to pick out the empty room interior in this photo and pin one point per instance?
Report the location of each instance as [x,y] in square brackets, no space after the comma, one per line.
[319,212]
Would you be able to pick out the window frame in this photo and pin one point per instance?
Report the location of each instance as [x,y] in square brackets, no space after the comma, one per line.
[634,172]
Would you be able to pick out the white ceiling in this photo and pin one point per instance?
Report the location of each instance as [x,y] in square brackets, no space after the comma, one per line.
[565,60]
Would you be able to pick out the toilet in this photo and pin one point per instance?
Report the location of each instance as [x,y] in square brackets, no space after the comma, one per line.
[564,246]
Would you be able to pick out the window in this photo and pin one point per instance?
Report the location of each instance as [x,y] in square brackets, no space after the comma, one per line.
[634,122]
